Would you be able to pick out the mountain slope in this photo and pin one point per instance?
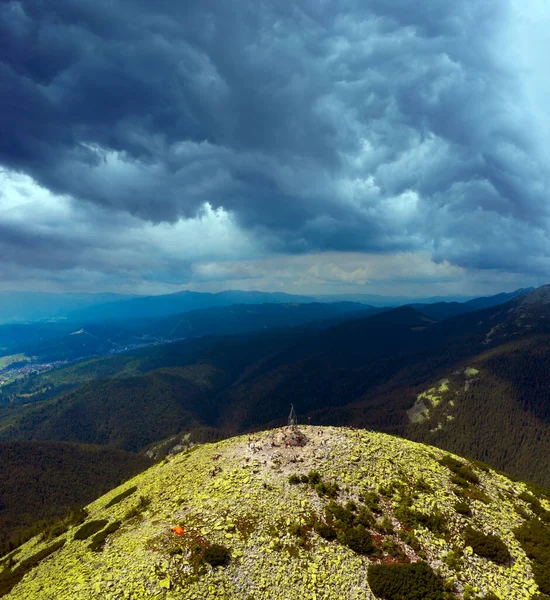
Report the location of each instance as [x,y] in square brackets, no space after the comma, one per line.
[401,512]
[367,372]
[445,310]
[43,480]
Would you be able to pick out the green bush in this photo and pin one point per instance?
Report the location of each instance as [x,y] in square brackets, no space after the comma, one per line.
[217,555]
[463,508]
[329,490]
[326,531]
[453,560]
[297,530]
[304,479]
[474,493]
[384,525]
[89,529]
[358,539]
[411,519]
[423,486]
[364,517]
[294,479]
[535,505]
[482,466]
[462,471]
[136,510]
[534,537]
[487,546]
[314,477]
[336,512]
[372,501]
[415,581]
[121,496]
[411,540]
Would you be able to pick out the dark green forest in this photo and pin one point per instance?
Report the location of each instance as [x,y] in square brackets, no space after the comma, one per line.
[43,481]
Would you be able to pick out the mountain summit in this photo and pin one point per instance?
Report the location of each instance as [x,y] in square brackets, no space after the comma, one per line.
[343,514]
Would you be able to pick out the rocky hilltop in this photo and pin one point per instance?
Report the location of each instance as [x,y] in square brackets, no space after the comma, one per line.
[314,513]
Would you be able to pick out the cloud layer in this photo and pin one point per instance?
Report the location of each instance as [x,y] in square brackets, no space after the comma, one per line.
[145,141]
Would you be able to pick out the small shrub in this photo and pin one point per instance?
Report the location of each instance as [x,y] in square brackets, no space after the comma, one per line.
[460,469]
[326,531]
[535,505]
[394,549]
[364,517]
[304,479]
[384,525]
[463,508]
[357,539]
[411,519]
[489,596]
[140,507]
[474,493]
[487,546]
[336,512]
[423,486]
[385,490]
[481,466]
[460,481]
[296,529]
[411,540]
[217,555]
[372,501]
[89,529]
[534,537]
[314,477]
[415,581]
[98,541]
[351,506]
[454,560]
[55,530]
[330,490]
[121,496]
[294,479]
[77,517]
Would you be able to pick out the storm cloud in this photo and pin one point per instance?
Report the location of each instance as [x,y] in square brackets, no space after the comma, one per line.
[382,127]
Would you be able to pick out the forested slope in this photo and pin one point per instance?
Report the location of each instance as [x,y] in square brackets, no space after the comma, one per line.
[40,481]
[368,372]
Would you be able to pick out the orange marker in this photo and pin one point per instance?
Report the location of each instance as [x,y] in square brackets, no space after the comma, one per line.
[179,530]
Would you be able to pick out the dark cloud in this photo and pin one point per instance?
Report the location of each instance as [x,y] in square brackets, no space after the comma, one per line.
[379,126]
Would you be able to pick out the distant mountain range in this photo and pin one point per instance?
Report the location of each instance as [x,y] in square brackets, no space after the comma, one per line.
[70,340]
[24,307]
[21,307]
[476,383]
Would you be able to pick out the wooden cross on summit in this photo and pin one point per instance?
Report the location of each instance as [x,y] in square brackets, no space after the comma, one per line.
[292,418]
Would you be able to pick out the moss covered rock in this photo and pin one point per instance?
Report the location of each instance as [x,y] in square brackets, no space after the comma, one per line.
[284,539]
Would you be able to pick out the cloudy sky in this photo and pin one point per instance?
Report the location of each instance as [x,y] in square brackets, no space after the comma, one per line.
[308,146]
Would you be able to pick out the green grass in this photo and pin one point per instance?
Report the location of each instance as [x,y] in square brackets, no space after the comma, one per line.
[6,361]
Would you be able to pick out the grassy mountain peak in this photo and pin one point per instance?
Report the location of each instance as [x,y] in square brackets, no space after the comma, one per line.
[325,512]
